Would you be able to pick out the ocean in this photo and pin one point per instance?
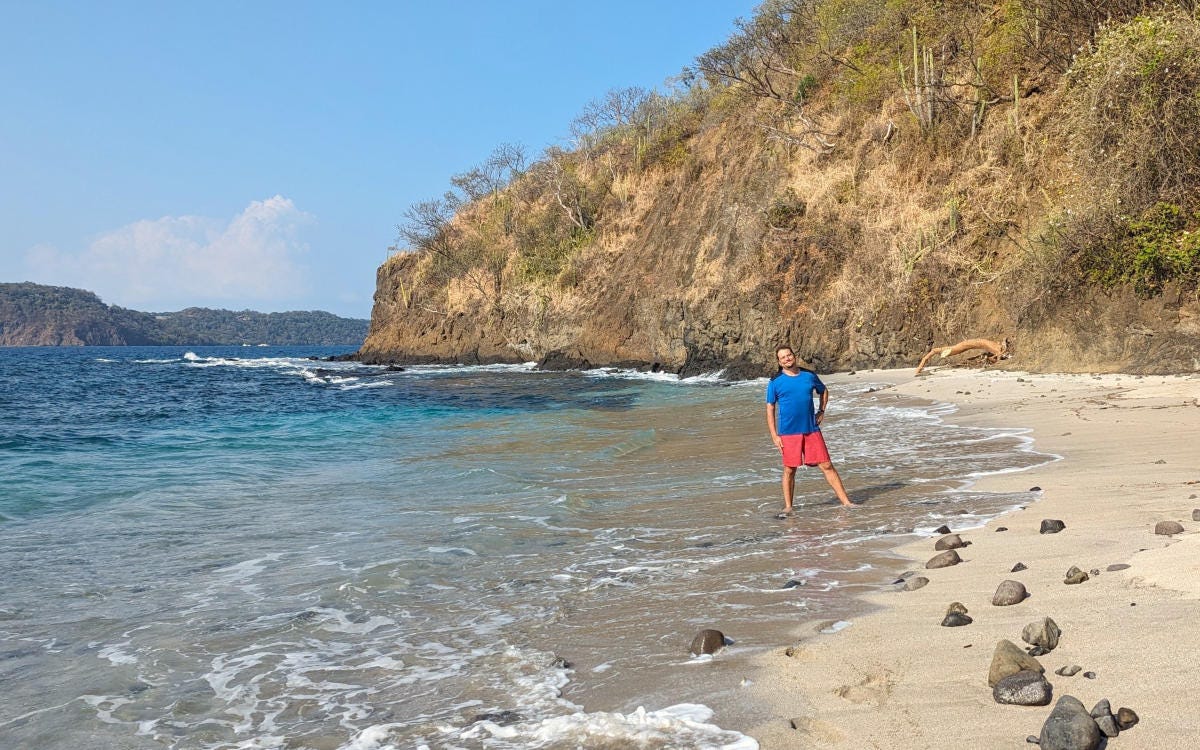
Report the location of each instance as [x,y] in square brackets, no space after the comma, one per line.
[252,547]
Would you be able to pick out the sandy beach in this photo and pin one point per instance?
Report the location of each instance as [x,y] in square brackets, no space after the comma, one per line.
[896,678]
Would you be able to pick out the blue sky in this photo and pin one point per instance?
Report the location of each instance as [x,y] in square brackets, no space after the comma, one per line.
[260,154]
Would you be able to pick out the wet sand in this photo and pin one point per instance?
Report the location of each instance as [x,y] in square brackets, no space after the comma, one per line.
[896,679]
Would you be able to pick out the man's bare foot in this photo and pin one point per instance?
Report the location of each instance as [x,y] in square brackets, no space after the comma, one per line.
[785,513]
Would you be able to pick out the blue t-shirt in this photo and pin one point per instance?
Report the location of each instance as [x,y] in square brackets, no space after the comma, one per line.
[793,395]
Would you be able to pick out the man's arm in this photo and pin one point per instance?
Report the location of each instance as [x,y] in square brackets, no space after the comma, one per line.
[821,408]
[771,427]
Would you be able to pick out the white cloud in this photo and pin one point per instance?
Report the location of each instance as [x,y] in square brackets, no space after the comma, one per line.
[255,260]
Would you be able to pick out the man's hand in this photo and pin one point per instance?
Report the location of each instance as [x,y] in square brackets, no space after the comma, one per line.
[778,441]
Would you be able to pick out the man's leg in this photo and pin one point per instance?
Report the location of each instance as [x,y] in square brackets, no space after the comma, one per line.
[835,481]
[789,487]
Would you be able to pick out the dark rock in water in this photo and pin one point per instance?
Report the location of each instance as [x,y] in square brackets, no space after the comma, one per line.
[1126,717]
[1051,526]
[1075,575]
[1070,671]
[1117,566]
[707,642]
[499,717]
[943,529]
[956,619]
[951,541]
[1168,528]
[1107,725]
[915,583]
[560,663]
[1009,593]
[1019,567]
[794,583]
[1007,660]
[1035,489]
[1102,708]
[1070,727]
[560,360]
[1025,688]
[1001,528]
[944,560]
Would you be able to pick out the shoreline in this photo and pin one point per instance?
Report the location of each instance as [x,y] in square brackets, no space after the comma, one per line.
[896,679]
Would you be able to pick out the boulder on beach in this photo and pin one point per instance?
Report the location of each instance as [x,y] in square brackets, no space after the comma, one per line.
[1168,528]
[707,642]
[914,583]
[1075,575]
[1043,633]
[1025,688]
[1051,526]
[950,541]
[1009,593]
[1126,717]
[1070,727]
[943,529]
[1008,659]
[944,559]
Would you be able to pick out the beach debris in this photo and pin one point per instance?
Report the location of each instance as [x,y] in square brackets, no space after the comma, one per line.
[1070,727]
[952,541]
[1019,567]
[1126,717]
[944,559]
[1051,526]
[915,583]
[1009,593]
[943,529]
[1070,671]
[993,351]
[1042,634]
[1025,688]
[1007,660]
[1118,566]
[1075,575]
[707,642]
[956,616]
[1168,528]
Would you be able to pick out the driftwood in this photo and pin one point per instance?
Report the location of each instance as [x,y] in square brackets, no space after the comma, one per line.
[994,352]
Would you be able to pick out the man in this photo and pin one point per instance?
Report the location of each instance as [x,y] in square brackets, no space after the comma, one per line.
[795,428]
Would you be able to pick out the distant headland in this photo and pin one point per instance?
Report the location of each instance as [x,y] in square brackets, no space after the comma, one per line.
[38,315]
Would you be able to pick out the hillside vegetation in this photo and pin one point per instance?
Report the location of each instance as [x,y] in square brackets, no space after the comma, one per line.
[37,315]
[863,178]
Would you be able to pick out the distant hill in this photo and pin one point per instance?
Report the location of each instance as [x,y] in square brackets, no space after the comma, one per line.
[37,315]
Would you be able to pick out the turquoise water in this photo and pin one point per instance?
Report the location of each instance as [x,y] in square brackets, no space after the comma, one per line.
[248,548]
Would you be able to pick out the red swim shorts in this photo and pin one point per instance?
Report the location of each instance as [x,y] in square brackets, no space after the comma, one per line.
[804,450]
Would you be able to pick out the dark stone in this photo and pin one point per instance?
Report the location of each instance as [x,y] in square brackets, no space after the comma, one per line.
[1117,566]
[1009,593]
[560,663]
[1196,514]
[952,541]
[1043,633]
[956,619]
[1126,717]
[499,717]
[1035,489]
[1094,572]
[1001,528]
[1168,528]
[1033,739]
[1070,671]
[958,607]
[915,583]
[1102,708]
[1025,688]
[1051,526]
[560,360]
[1069,727]
[1107,725]
[707,642]
[944,559]
[1090,675]
[1019,567]
[794,583]
[943,529]
[1075,575]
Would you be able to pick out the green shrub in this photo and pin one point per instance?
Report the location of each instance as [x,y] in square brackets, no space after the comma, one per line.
[1160,246]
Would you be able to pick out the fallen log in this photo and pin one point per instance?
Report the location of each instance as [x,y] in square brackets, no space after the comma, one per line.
[994,352]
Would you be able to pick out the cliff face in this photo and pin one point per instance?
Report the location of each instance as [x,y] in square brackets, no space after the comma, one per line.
[896,239]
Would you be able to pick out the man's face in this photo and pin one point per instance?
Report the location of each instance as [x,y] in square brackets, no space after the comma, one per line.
[786,358]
